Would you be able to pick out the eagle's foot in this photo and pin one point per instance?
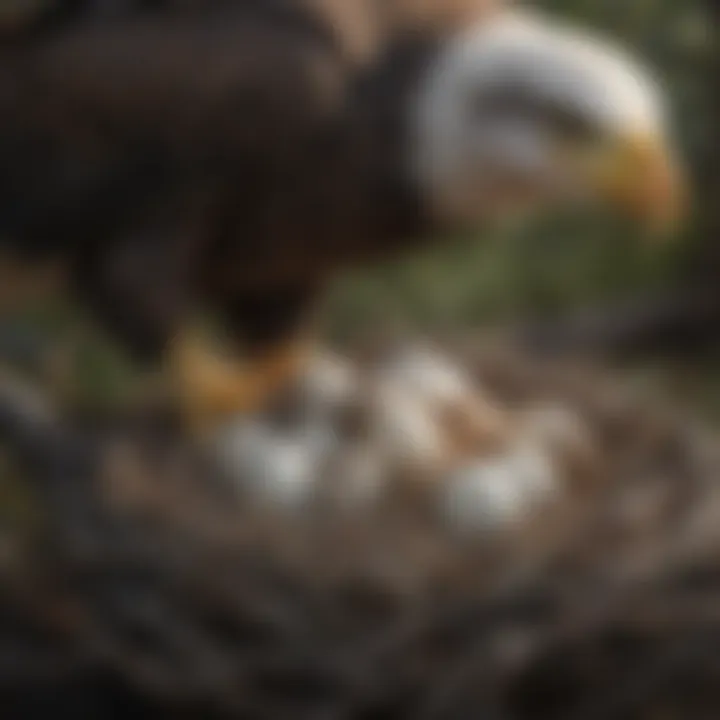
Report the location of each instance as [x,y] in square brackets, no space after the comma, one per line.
[212,389]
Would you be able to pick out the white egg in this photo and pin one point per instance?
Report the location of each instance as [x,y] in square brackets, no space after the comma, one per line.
[326,382]
[461,406]
[559,429]
[279,470]
[320,437]
[406,431]
[426,372]
[492,494]
[535,471]
[484,497]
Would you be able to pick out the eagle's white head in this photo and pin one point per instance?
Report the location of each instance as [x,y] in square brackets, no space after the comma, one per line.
[523,111]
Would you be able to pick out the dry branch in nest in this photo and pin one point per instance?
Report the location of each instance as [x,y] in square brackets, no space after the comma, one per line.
[135,584]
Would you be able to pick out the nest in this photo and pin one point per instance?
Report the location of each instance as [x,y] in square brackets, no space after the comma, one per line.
[135,583]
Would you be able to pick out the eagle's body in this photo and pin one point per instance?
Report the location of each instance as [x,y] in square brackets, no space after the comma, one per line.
[231,154]
[229,157]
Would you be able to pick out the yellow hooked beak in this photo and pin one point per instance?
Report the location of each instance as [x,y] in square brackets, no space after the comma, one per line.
[639,175]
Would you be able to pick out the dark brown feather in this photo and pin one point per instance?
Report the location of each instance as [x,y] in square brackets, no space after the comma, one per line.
[179,152]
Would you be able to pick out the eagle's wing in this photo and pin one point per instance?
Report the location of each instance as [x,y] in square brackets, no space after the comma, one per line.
[104,103]
[100,119]
[118,138]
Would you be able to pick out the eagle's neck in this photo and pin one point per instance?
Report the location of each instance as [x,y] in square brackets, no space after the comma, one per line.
[384,97]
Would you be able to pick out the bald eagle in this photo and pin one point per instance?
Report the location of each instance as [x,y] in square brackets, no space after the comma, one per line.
[236,155]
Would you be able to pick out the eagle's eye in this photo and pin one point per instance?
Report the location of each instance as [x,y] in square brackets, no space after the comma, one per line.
[510,100]
[571,124]
[498,102]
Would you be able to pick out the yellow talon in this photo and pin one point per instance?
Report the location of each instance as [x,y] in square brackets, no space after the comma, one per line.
[212,388]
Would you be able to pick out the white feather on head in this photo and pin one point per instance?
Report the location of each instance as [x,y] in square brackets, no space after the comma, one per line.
[457,155]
